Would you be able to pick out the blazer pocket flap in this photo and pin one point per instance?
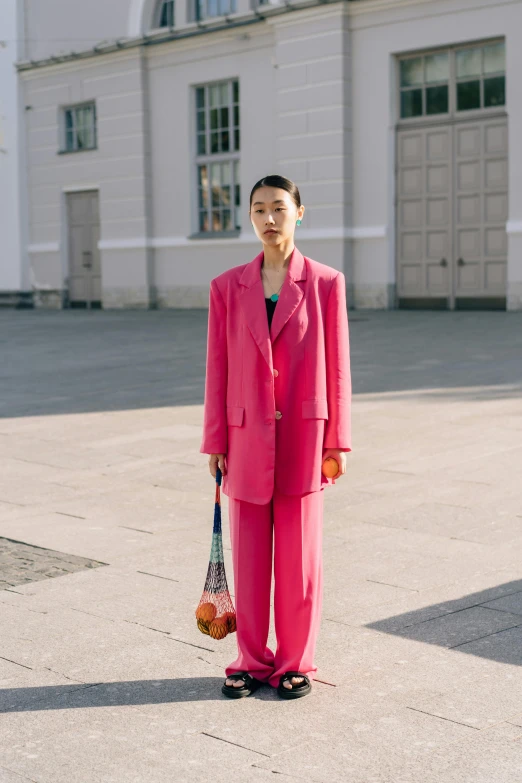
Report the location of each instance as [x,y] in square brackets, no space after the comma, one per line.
[315,409]
[235,415]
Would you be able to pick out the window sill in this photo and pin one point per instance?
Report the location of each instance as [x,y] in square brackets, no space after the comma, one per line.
[73,152]
[214,235]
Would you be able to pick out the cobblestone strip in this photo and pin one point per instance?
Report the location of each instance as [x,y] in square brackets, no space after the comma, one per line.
[22,563]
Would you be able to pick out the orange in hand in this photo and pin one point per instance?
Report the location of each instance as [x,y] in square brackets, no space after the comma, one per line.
[330,467]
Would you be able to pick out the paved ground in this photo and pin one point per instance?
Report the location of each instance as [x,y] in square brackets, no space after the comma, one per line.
[103,673]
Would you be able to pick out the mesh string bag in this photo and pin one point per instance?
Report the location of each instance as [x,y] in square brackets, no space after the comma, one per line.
[215,613]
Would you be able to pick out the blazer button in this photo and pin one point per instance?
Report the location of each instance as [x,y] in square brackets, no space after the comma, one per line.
[276,373]
[278,414]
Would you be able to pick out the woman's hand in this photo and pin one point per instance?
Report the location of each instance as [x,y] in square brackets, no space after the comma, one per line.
[215,461]
[338,455]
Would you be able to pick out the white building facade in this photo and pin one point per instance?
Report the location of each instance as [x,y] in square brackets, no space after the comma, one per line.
[14,262]
[147,124]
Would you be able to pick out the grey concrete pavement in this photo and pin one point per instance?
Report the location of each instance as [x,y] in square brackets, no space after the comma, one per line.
[104,675]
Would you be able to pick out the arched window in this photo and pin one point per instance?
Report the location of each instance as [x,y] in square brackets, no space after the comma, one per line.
[165,13]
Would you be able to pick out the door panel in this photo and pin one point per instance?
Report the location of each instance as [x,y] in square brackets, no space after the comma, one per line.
[423,211]
[481,196]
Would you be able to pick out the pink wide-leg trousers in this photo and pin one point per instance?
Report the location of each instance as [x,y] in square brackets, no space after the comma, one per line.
[290,528]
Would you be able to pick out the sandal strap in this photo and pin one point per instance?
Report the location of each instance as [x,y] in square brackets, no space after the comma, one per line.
[241,676]
[289,675]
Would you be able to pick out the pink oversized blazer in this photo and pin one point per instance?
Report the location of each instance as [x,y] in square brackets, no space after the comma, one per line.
[299,369]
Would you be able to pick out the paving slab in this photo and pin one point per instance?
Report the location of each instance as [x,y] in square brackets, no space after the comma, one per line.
[104,675]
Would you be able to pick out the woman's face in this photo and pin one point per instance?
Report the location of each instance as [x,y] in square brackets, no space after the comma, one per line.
[274,210]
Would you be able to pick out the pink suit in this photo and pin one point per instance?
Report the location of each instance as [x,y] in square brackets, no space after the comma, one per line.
[274,400]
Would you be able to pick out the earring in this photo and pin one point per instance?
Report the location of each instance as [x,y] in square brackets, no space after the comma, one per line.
[298,223]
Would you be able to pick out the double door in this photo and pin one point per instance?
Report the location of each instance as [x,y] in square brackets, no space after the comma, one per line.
[452,208]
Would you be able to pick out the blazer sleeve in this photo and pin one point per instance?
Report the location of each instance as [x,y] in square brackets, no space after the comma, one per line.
[338,378]
[214,440]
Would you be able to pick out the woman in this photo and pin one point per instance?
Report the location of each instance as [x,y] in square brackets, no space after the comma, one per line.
[277,404]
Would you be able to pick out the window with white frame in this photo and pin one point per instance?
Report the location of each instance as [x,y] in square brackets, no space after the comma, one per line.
[480,75]
[452,81]
[79,128]
[205,9]
[217,157]
[165,14]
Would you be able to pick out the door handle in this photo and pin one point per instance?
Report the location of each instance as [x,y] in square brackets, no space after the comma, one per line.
[87,259]
[460,262]
[443,262]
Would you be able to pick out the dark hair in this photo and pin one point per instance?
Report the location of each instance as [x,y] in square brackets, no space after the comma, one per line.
[277,181]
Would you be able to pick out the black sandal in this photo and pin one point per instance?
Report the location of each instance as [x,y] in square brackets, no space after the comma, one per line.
[298,689]
[251,685]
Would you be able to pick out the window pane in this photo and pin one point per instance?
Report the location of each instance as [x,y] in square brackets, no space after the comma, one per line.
[214,118]
[436,67]
[68,119]
[223,93]
[235,91]
[495,91]
[237,212]
[224,117]
[201,120]
[236,181]
[411,72]
[202,177]
[227,223]
[85,138]
[225,173]
[202,198]
[216,221]
[202,144]
[437,99]
[225,182]
[69,139]
[236,138]
[225,141]
[200,97]
[411,103]
[167,14]
[203,221]
[215,183]
[214,95]
[83,128]
[468,62]
[236,115]
[214,142]
[495,58]
[468,95]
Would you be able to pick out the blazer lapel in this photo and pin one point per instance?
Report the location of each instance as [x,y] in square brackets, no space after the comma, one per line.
[253,300]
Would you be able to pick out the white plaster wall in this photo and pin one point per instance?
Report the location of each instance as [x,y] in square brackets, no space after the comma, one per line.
[380,30]
[117,169]
[293,114]
[13,236]
[55,27]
